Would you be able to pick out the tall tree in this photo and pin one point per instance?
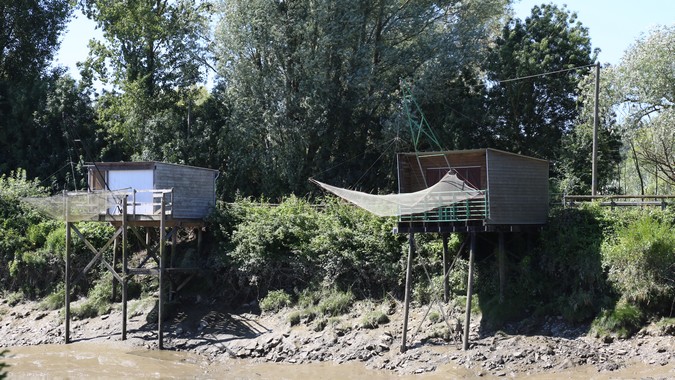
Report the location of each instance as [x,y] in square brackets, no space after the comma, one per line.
[636,107]
[531,112]
[29,34]
[153,53]
[644,88]
[314,85]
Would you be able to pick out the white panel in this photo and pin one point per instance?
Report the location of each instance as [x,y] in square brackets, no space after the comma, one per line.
[133,180]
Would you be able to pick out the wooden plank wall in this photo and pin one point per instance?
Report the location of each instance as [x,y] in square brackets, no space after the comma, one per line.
[517,188]
[194,189]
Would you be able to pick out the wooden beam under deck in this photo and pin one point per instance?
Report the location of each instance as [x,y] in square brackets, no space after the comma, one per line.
[462,227]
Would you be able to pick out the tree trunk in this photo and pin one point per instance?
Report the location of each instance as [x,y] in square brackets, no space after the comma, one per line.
[637,168]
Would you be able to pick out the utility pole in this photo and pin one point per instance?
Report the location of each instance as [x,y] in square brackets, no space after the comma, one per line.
[594,180]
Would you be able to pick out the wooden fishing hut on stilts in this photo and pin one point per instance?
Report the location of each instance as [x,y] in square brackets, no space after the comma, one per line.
[512,197]
[472,192]
[159,197]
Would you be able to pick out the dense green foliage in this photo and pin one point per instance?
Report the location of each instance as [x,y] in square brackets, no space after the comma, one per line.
[571,262]
[532,115]
[296,89]
[306,88]
[636,107]
[315,84]
[618,265]
[588,262]
[32,246]
[151,59]
[275,301]
[298,245]
[42,111]
[641,261]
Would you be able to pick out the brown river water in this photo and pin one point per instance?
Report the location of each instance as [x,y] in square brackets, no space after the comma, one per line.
[111,360]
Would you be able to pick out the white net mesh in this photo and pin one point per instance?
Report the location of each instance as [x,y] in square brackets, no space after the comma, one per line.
[448,191]
[79,206]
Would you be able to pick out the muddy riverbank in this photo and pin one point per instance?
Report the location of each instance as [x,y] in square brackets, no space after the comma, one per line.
[220,337]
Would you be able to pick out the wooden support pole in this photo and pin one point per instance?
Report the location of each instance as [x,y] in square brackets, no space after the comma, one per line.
[199,241]
[501,257]
[408,280]
[67,282]
[596,118]
[469,292]
[162,261]
[174,244]
[114,265]
[446,290]
[125,271]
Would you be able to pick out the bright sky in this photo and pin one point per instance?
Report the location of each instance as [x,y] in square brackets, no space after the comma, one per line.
[74,43]
[613,26]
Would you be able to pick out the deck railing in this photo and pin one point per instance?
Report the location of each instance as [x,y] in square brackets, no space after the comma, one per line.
[662,201]
[149,202]
[448,209]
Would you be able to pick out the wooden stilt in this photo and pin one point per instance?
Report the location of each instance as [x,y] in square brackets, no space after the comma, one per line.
[114,265]
[174,243]
[124,271]
[67,282]
[446,290]
[408,279]
[199,241]
[469,292]
[501,256]
[162,263]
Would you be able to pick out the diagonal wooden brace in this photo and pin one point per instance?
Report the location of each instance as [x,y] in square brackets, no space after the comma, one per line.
[149,250]
[99,253]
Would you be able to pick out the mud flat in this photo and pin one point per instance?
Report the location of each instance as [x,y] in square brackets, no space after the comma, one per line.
[205,339]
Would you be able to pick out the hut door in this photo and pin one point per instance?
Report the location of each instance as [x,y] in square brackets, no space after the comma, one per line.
[133,180]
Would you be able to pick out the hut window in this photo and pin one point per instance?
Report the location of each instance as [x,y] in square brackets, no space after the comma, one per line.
[470,175]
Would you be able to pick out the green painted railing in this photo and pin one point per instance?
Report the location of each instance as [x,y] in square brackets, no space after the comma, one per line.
[475,208]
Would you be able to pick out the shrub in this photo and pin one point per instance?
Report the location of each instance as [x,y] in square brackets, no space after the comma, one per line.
[373,319]
[294,317]
[275,301]
[564,275]
[269,245]
[35,272]
[14,298]
[98,299]
[16,217]
[357,250]
[55,300]
[297,245]
[640,262]
[335,303]
[425,292]
[309,298]
[320,324]
[623,321]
